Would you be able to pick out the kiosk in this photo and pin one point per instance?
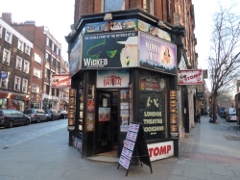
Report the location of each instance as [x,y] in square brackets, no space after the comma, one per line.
[123,70]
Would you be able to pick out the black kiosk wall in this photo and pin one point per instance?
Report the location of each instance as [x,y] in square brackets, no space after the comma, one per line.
[135,142]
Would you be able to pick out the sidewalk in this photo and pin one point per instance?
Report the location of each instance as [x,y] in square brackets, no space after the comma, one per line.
[206,154]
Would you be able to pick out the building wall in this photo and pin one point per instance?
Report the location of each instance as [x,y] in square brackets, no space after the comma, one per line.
[38,35]
[17,98]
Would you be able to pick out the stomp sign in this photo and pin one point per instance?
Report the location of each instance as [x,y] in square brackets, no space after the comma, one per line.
[135,141]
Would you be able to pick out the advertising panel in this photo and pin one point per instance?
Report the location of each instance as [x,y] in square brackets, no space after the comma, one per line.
[190,77]
[157,54]
[151,81]
[151,114]
[112,78]
[61,81]
[173,115]
[114,25]
[154,31]
[161,150]
[75,56]
[118,49]
[71,109]
[104,114]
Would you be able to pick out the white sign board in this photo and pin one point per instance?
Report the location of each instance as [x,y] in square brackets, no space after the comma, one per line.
[190,77]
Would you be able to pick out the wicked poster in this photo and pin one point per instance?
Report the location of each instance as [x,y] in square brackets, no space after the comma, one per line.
[110,50]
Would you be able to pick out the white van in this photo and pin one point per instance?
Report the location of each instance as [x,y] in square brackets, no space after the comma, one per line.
[231,115]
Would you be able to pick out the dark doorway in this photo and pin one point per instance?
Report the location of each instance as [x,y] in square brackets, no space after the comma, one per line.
[107,123]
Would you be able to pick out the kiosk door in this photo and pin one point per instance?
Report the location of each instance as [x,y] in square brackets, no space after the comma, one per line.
[103,136]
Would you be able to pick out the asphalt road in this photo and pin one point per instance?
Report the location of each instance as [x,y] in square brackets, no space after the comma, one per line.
[16,135]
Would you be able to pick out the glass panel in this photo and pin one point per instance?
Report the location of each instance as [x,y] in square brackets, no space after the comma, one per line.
[115,5]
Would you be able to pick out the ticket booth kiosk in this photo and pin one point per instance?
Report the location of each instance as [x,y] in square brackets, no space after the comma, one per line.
[123,75]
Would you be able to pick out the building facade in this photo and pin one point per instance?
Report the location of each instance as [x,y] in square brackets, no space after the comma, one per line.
[173,12]
[46,60]
[16,53]
[117,62]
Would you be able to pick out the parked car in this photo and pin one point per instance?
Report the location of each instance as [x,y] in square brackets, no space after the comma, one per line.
[52,114]
[231,115]
[222,112]
[12,117]
[63,114]
[36,115]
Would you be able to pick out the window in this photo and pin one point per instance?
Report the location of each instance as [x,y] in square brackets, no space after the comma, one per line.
[20,45]
[8,37]
[18,63]
[6,57]
[57,51]
[3,104]
[25,85]
[3,80]
[46,89]
[37,58]
[53,91]
[116,5]
[27,50]
[47,57]
[37,73]
[17,83]
[52,46]
[57,92]
[148,6]
[47,42]
[53,62]
[35,88]
[46,73]
[35,105]
[26,66]
[1,31]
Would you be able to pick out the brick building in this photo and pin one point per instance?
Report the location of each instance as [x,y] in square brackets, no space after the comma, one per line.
[45,60]
[15,53]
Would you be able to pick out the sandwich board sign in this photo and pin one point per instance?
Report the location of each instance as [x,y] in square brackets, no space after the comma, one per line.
[135,141]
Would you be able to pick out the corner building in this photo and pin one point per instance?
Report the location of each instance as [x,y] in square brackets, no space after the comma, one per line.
[124,58]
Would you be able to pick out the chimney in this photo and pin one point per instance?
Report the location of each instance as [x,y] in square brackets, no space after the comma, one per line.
[7,17]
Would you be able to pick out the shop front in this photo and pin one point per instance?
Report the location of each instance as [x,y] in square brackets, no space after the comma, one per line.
[123,76]
[11,100]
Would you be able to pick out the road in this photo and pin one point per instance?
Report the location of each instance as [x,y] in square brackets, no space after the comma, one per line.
[16,135]
[231,126]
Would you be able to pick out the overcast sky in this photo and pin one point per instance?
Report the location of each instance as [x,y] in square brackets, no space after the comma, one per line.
[57,15]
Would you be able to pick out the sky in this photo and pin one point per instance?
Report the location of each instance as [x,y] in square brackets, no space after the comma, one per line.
[58,15]
[204,23]
[203,27]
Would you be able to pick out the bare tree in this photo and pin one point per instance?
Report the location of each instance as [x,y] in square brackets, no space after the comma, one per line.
[224,58]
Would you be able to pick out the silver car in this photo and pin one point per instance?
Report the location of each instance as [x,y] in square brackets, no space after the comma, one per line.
[36,115]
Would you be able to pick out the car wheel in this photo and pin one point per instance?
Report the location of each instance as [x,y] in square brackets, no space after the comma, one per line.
[11,124]
[27,122]
[38,120]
